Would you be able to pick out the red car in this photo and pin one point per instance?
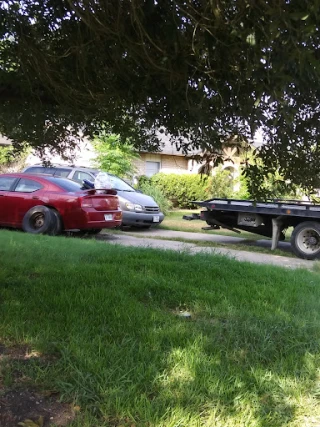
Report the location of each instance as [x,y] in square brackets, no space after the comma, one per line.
[42,204]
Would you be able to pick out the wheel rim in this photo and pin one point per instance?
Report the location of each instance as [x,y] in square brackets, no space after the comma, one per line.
[37,221]
[308,241]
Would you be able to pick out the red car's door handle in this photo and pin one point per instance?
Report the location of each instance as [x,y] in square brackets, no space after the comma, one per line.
[35,198]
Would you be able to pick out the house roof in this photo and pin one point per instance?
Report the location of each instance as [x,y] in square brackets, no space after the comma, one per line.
[169,148]
[4,141]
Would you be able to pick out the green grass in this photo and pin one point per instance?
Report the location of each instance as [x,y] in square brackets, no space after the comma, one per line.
[107,319]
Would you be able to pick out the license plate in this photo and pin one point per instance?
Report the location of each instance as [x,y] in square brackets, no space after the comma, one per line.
[108,217]
[156,218]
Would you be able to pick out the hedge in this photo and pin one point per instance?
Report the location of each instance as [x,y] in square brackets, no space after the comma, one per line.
[181,190]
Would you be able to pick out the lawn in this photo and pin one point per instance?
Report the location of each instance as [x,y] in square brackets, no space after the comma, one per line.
[104,323]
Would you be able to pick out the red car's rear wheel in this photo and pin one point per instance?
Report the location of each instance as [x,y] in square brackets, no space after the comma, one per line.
[39,220]
[57,224]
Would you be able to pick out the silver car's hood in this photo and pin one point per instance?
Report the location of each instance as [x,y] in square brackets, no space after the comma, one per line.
[137,198]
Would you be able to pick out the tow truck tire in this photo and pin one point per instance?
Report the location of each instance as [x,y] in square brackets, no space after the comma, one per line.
[305,240]
[38,220]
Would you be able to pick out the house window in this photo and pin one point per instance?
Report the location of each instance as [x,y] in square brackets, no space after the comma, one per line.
[152,168]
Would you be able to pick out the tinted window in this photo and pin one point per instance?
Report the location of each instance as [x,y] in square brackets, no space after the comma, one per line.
[27,186]
[65,184]
[6,182]
[61,172]
[79,176]
[40,169]
[64,172]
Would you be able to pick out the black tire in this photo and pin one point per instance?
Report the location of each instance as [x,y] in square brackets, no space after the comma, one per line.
[56,224]
[305,240]
[38,220]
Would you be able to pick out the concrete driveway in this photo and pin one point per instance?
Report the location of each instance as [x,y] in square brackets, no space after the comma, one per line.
[159,239]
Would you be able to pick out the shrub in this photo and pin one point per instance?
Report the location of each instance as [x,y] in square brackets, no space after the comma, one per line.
[181,190]
[221,184]
[242,193]
[142,180]
[155,192]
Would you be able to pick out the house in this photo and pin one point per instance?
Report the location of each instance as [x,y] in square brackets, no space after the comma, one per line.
[4,141]
[171,160]
[167,160]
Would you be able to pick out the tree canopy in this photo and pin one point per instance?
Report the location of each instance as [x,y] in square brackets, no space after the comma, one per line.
[200,69]
[113,156]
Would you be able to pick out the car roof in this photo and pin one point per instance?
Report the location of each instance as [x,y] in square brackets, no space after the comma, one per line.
[36,176]
[56,166]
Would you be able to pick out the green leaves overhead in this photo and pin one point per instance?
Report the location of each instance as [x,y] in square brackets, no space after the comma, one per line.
[202,70]
[113,156]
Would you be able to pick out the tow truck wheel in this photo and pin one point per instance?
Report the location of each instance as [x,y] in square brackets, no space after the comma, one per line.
[305,240]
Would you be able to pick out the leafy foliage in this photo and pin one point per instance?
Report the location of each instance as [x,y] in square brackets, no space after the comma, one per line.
[11,161]
[181,190]
[201,70]
[155,192]
[256,180]
[221,184]
[112,156]
[271,186]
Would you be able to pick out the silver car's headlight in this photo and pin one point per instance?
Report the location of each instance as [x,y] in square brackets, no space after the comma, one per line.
[130,206]
[133,207]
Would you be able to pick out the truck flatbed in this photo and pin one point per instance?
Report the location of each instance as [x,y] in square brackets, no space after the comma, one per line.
[283,207]
[270,218]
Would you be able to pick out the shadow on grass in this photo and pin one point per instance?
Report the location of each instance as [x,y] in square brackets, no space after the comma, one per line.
[248,356]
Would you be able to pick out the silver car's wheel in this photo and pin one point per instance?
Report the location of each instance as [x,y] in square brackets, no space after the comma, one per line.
[305,240]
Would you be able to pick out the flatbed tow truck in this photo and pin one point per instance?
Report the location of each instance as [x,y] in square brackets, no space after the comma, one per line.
[269,219]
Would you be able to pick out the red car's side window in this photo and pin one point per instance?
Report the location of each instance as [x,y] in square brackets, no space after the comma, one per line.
[6,182]
[27,186]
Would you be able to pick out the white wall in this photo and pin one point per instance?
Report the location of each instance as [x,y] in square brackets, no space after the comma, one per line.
[83,155]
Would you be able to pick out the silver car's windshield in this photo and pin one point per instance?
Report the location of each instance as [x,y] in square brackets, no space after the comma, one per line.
[119,184]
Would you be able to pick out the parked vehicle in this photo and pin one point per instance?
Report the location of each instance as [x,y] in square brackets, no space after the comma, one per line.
[51,205]
[138,210]
[77,174]
[267,219]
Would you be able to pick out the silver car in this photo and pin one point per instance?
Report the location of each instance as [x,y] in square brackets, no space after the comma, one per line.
[138,209]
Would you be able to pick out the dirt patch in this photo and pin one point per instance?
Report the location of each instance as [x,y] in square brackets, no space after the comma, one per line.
[19,401]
